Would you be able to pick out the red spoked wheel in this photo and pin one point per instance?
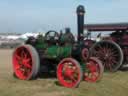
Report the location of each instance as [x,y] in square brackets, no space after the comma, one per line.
[109,53]
[94,70]
[25,62]
[85,54]
[69,73]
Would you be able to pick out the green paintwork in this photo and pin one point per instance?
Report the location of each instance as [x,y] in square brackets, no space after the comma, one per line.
[58,51]
[40,44]
[83,66]
[53,51]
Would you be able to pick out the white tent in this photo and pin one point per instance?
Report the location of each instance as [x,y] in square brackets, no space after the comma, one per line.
[26,35]
[13,37]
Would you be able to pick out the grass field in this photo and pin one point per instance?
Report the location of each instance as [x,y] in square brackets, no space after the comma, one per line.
[112,84]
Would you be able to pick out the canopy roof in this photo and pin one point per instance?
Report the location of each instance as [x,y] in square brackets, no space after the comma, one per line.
[106,27]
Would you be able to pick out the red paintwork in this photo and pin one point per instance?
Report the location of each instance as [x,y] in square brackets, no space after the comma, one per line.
[66,72]
[85,54]
[125,40]
[106,27]
[22,63]
[93,71]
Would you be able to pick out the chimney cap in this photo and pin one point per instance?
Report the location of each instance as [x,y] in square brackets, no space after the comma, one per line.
[80,9]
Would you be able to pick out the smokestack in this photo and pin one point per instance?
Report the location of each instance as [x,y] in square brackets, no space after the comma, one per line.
[80,22]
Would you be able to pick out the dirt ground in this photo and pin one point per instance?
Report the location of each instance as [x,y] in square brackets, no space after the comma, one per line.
[112,84]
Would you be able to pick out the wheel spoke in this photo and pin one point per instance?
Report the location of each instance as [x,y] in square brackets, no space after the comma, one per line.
[27,60]
[17,57]
[73,79]
[18,67]
[109,65]
[23,54]
[28,66]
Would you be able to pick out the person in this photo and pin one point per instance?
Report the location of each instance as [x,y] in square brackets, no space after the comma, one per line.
[98,37]
[67,37]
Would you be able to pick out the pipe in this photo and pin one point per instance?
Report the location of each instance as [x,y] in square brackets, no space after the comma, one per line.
[80,22]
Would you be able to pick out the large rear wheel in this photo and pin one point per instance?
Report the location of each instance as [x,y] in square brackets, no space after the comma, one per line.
[69,73]
[26,62]
[109,53]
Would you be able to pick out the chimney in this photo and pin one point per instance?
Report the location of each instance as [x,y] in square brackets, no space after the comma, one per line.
[80,22]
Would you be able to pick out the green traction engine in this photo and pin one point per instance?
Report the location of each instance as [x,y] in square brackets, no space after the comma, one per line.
[58,54]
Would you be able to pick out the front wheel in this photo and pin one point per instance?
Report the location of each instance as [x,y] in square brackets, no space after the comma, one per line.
[69,73]
[94,70]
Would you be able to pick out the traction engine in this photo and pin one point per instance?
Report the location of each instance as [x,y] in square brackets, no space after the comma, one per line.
[113,49]
[60,54]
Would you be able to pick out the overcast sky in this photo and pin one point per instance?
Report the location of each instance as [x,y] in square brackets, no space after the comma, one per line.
[43,15]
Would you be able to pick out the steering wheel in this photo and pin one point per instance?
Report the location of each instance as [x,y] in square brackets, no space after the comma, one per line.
[51,35]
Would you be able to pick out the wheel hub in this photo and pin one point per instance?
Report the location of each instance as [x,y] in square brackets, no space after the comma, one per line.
[68,72]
